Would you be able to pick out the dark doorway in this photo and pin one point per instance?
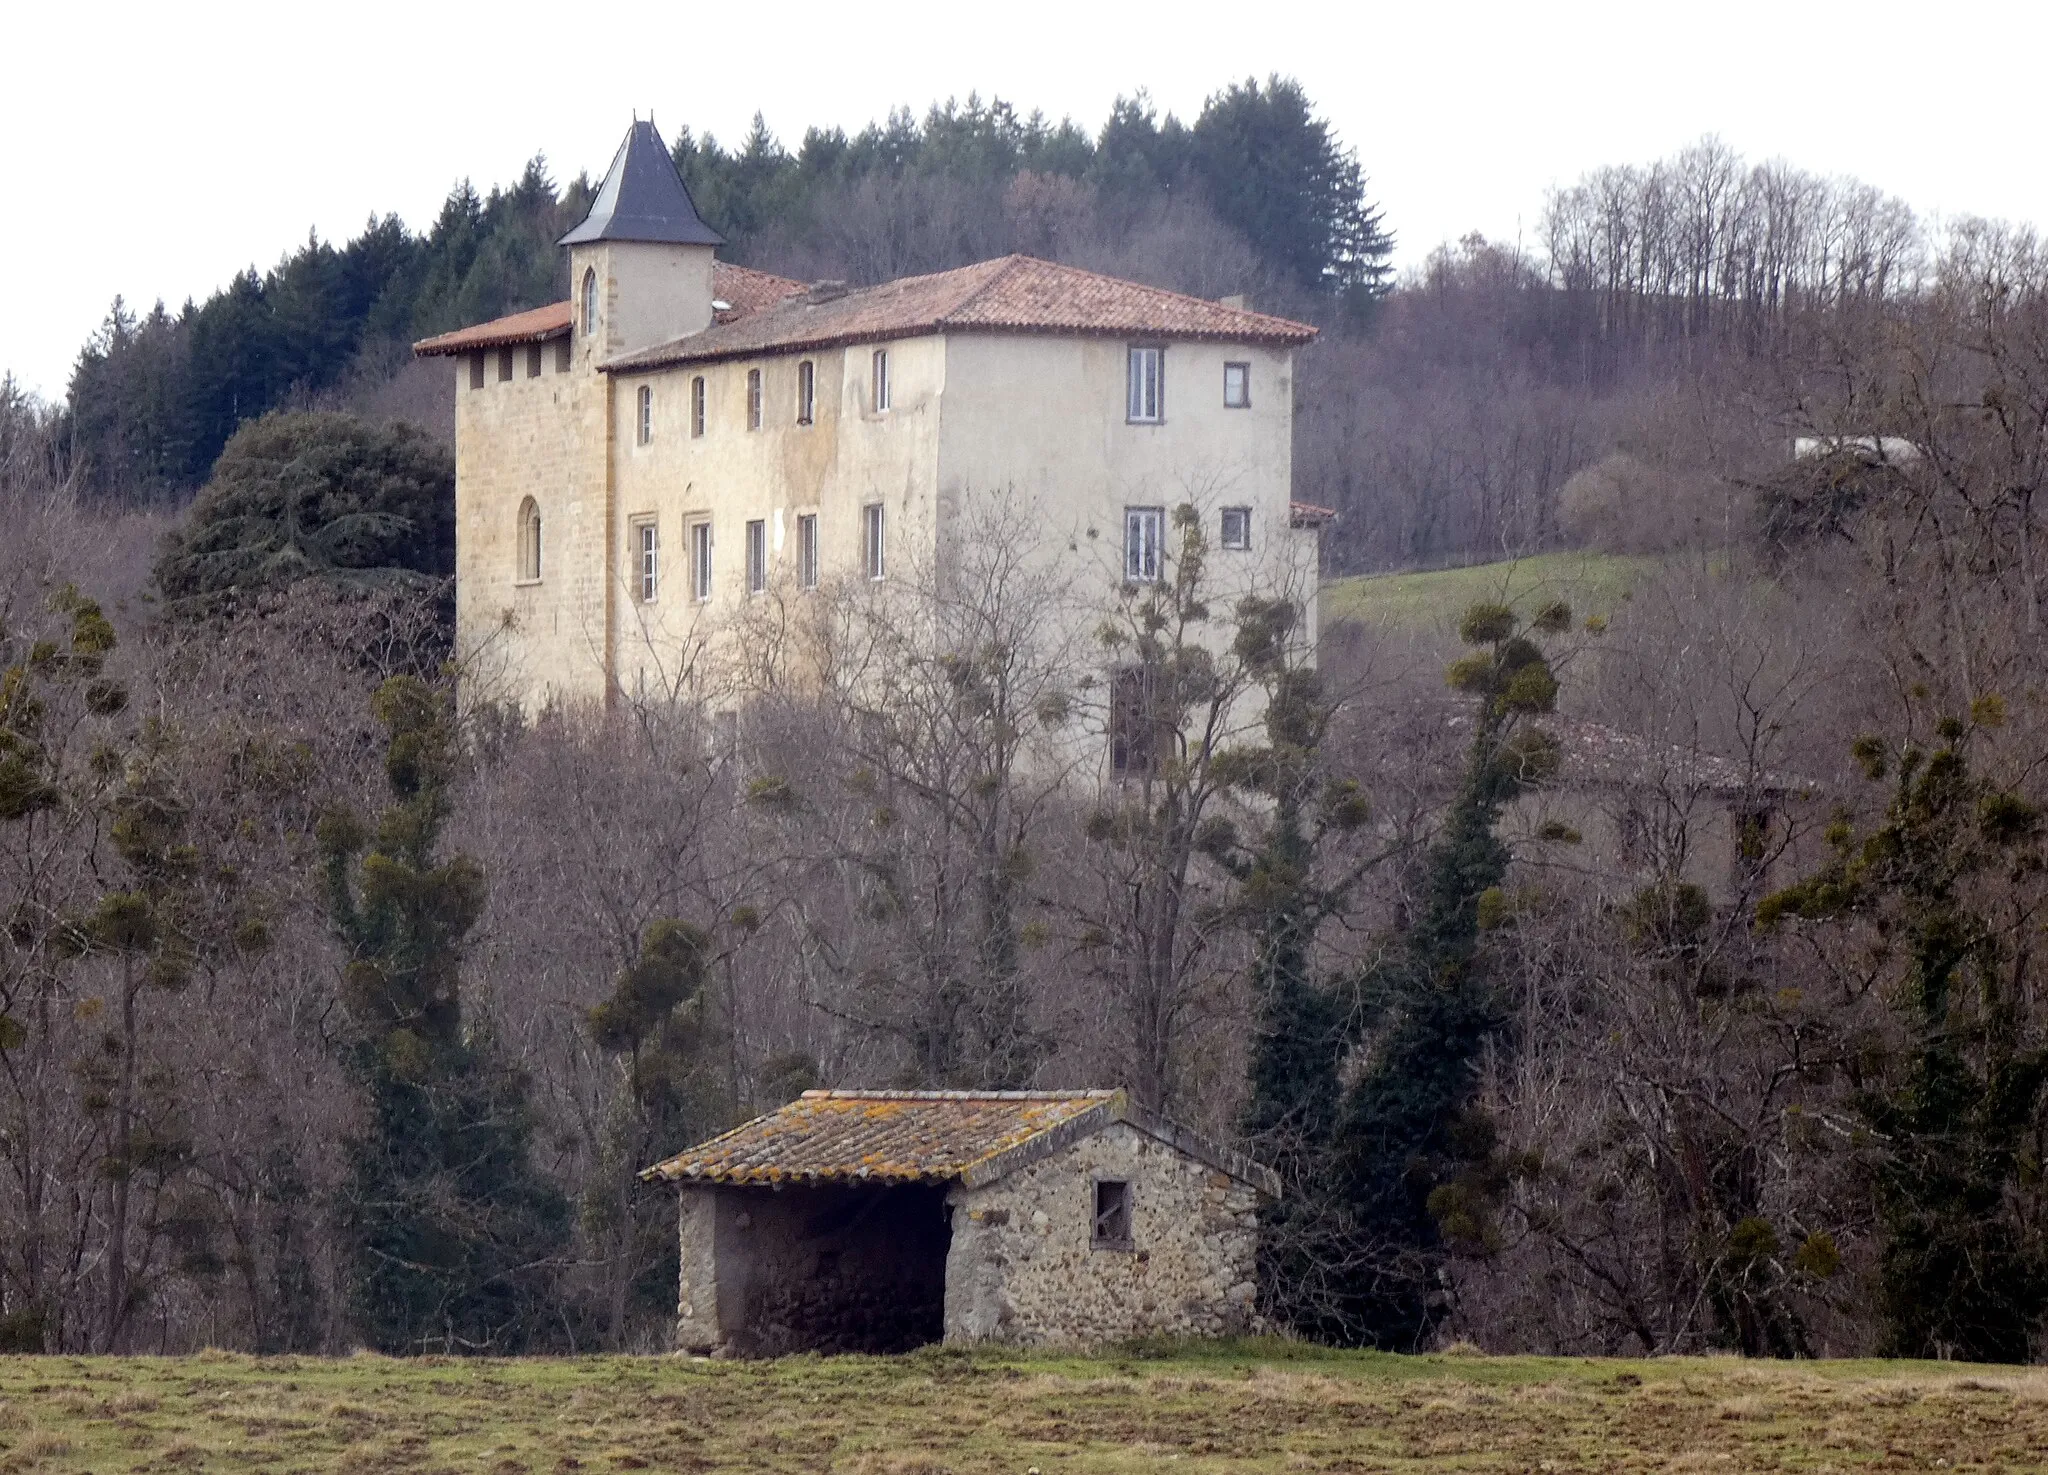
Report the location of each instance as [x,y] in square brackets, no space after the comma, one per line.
[842,1269]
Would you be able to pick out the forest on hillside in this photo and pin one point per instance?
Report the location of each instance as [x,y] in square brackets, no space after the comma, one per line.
[1655,977]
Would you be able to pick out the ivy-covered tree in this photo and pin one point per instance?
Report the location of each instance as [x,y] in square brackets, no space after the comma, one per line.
[1941,904]
[455,1236]
[1415,1158]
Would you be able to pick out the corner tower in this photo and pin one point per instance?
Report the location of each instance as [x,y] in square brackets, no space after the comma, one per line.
[640,262]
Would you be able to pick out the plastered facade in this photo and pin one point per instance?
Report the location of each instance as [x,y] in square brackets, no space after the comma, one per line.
[1039,419]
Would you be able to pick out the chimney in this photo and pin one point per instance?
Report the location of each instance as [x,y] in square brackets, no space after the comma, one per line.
[828,291]
[1237,300]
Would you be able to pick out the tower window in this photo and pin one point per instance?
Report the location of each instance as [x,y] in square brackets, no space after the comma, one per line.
[753,399]
[872,529]
[880,372]
[529,541]
[646,417]
[700,561]
[1144,531]
[1112,1215]
[1237,386]
[807,550]
[589,300]
[806,392]
[757,556]
[647,558]
[1146,388]
[697,406]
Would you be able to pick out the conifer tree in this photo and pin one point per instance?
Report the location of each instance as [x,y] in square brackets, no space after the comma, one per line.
[1946,898]
[454,1233]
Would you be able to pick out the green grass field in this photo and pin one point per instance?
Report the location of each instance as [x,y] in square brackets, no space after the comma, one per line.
[1268,1407]
[1591,583]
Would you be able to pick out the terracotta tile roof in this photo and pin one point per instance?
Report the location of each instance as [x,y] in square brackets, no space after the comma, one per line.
[1308,515]
[923,1137]
[1011,294]
[742,289]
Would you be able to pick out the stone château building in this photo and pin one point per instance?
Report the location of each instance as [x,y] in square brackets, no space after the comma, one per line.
[685,436]
[878,1221]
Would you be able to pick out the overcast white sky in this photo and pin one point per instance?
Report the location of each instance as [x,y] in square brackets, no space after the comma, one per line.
[153,150]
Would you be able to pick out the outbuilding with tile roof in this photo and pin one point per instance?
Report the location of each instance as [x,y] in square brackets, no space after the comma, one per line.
[882,1220]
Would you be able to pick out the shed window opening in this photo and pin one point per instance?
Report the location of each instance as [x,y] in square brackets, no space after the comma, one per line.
[1147,396]
[806,392]
[873,530]
[646,416]
[533,358]
[880,373]
[1112,1214]
[757,556]
[647,559]
[590,301]
[700,561]
[529,542]
[753,399]
[1237,527]
[1144,535]
[697,407]
[807,550]
[476,371]
[1237,386]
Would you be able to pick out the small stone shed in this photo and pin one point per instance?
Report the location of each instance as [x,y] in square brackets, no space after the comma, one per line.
[878,1221]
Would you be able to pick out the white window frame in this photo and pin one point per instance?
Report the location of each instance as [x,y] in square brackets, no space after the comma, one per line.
[879,380]
[807,550]
[697,407]
[1242,516]
[753,399]
[874,535]
[1243,387]
[757,555]
[647,558]
[1145,385]
[700,559]
[645,428]
[1144,544]
[806,392]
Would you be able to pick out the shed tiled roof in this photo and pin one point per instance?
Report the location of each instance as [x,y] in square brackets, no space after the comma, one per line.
[1011,294]
[885,1137]
[742,290]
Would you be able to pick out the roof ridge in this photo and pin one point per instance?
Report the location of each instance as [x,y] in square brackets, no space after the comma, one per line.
[1103,276]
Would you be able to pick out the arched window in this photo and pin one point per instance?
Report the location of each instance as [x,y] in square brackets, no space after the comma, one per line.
[529,541]
[590,300]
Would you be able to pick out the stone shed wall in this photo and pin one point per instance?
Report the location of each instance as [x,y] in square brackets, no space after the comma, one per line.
[1023,1268]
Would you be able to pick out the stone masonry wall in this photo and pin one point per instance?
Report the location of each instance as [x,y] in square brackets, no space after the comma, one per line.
[1022,1268]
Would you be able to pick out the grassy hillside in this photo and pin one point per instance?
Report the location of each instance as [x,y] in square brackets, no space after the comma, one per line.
[1265,1408]
[1591,583]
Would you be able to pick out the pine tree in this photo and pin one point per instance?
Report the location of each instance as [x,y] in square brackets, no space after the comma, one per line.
[455,1235]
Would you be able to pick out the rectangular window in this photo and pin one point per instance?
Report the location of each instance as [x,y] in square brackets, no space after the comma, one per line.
[533,361]
[476,371]
[1112,1215]
[871,535]
[647,559]
[1146,403]
[881,379]
[646,428]
[753,399]
[504,366]
[806,391]
[561,355]
[697,407]
[700,561]
[1144,533]
[1133,732]
[1237,386]
[807,550]
[757,556]
[1237,527]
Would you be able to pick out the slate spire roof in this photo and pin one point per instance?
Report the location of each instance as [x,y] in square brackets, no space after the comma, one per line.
[643,198]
